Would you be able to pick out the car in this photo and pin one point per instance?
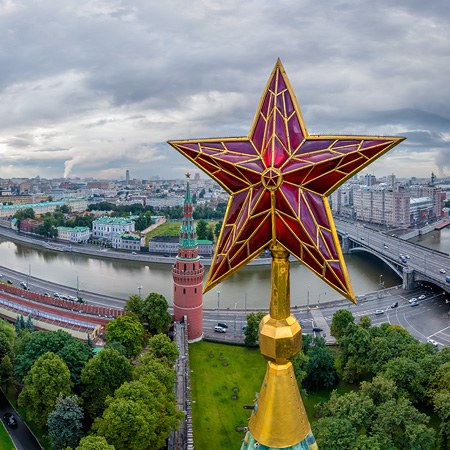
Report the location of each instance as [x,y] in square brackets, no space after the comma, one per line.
[56,295]
[24,285]
[9,282]
[10,420]
[421,297]
[218,329]
[407,256]
[362,238]
[317,329]
[442,271]
[133,253]
[222,324]
[46,294]
[379,311]
[412,300]
[413,304]
[385,246]
[433,342]
[394,305]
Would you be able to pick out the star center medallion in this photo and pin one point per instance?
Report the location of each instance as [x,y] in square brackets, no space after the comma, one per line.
[272,178]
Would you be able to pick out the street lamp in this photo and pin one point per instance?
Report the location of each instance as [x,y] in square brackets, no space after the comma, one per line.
[380,281]
[139,290]
[322,293]
[78,289]
[218,301]
[235,304]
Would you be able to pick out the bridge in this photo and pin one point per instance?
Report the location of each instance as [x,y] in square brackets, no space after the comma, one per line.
[412,262]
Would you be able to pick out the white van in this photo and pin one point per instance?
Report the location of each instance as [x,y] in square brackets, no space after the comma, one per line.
[218,329]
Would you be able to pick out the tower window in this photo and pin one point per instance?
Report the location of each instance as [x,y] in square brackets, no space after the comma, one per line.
[184,291]
[195,290]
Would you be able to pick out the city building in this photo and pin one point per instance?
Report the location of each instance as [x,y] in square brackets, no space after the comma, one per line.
[187,275]
[73,234]
[75,205]
[107,227]
[128,241]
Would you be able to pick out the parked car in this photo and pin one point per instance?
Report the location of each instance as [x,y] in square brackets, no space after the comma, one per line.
[407,256]
[433,342]
[10,420]
[317,329]
[413,304]
[218,329]
[9,282]
[24,285]
[222,324]
[423,296]
[412,300]
[394,305]
[379,311]
[442,271]
[385,246]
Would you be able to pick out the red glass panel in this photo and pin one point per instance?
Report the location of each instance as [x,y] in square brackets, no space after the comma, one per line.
[256,166]
[281,83]
[280,153]
[232,158]
[280,104]
[323,168]
[371,143]
[337,269]
[321,156]
[288,102]
[241,147]
[237,249]
[316,204]
[287,199]
[307,219]
[352,166]
[292,231]
[237,203]
[309,260]
[265,105]
[260,201]
[325,182]
[258,134]
[260,239]
[253,226]
[334,280]
[188,152]
[371,152]
[220,270]
[273,81]
[345,143]
[346,150]
[295,132]
[208,165]
[330,242]
[214,145]
[226,234]
[280,129]
[314,145]
[323,247]
[234,184]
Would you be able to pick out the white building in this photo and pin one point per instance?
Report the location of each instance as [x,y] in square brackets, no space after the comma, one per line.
[75,234]
[108,227]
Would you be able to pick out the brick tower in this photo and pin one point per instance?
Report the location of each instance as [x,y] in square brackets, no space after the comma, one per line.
[188,275]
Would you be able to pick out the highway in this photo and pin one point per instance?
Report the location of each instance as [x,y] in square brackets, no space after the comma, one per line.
[427,262]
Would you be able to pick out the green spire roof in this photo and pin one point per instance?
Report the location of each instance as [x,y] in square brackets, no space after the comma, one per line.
[188,234]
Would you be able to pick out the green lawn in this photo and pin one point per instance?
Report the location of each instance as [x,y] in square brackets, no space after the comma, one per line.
[166,229]
[5,441]
[217,369]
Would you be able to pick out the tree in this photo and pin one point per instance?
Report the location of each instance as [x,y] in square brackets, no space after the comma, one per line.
[365,322]
[73,352]
[252,329]
[320,370]
[48,378]
[341,319]
[29,324]
[126,424]
[148,368]
[299,362]
[202,229]
[64,423]
[101,376]
[217,228]
[128,331]
[334,433]
[163,349]
[94,443]
[155,315]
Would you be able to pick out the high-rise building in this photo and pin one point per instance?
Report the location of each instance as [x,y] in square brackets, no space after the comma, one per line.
[127,177]
[187,275]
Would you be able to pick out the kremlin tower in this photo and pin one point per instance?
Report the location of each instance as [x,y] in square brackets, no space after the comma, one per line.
[188,275]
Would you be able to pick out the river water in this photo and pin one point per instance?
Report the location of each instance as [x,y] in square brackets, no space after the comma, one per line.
[437,240]
[249,288]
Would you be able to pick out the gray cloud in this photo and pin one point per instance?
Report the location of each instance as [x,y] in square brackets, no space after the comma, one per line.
[104,84]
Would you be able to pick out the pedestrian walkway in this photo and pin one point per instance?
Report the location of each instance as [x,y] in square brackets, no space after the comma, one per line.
[319,321]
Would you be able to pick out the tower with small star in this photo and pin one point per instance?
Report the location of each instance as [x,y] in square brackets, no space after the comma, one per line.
[279,178]
[187,274]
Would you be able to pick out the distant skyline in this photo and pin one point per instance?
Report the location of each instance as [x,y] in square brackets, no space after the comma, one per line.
[92,89]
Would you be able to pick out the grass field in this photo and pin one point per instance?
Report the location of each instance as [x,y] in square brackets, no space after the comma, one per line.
[220,372]
[170,229]
[5,441]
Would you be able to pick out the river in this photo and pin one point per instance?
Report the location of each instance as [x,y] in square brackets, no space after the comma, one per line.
[249,288]
[437,240]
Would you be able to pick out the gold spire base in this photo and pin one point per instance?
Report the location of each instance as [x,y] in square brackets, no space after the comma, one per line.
[280,419]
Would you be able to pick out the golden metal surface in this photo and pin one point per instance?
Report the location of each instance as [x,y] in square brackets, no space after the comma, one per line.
[280,420]
[280,301]
[280,340]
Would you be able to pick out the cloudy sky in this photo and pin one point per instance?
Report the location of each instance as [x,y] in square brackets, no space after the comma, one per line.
[92,88]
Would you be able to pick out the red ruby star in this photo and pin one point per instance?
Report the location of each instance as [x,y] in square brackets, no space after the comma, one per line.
[279,178]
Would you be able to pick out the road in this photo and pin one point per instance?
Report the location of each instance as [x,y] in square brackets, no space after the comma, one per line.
[21,436]
[428,320]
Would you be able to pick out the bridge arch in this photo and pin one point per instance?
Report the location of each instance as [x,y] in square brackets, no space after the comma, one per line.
[394,267]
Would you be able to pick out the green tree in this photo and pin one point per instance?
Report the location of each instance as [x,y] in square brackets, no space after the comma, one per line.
[162,347]
[202,229]
[299,362]
[365,322]
[342,318]
[126,424]
[333,433]
[149,368]
[155,316]
[101,376]
[64,423]
[128,331]
[252,329]
[217,228]
[73,352]
[48,378]
[94,443]
[320,370]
